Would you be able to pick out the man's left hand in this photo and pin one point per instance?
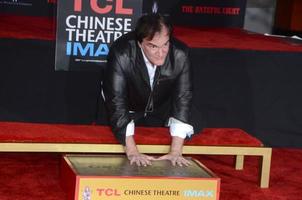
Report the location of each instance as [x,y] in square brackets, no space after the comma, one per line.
[176,159]
[175,155]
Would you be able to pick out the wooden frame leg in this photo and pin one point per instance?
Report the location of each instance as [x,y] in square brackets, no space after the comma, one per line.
[265,166]
[239,162]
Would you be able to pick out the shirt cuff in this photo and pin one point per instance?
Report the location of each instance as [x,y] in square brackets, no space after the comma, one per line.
[130,128]
[179,128]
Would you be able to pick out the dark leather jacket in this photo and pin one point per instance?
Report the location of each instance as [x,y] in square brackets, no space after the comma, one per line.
[127,89]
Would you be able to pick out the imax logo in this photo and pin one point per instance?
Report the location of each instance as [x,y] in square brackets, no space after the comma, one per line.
[198,193]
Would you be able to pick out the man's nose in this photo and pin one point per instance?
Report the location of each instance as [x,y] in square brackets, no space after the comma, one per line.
[160,52]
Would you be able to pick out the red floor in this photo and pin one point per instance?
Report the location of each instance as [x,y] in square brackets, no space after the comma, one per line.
[35,176]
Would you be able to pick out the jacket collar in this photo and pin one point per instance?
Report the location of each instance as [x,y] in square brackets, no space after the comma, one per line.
[141,65]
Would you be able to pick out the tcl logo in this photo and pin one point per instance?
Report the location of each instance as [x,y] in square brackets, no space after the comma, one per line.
[108,192]
[105,7]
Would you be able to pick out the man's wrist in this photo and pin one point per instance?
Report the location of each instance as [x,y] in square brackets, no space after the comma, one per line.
[175,153]
[130,147]
[176,145]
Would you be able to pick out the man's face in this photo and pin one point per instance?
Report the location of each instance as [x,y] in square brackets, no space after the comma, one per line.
[156,50]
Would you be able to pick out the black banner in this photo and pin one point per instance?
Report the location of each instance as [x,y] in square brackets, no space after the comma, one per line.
[164,7]
[212,13]
[86,29]
[28,7]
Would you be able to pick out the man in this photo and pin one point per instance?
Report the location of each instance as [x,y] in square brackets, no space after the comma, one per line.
[148,82]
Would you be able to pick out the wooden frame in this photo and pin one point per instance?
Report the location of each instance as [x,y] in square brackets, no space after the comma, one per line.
[239,151]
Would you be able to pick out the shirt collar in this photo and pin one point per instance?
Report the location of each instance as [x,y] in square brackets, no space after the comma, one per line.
[146,59]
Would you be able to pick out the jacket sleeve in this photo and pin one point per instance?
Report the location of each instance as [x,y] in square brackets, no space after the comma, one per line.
[182,97]
[115,92]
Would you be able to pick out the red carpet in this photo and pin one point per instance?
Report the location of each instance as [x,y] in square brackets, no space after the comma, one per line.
[28,27]
[36,176]
[232,38]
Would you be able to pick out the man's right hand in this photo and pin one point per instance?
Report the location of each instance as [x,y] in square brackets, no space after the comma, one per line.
[140,159]
[134,156]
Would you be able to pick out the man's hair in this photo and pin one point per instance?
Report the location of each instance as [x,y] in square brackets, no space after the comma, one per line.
[148,25]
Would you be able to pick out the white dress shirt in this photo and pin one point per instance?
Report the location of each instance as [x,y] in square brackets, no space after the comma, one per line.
[176,127]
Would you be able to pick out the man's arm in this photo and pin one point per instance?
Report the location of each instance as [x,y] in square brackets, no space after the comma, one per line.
[182,99]
[134,155]
[115,93]
[117,106]
[131,150]
[183,91]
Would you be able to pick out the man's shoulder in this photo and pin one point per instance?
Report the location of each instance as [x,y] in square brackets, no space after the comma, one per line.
[124,43]
[179,44]
[179,47]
